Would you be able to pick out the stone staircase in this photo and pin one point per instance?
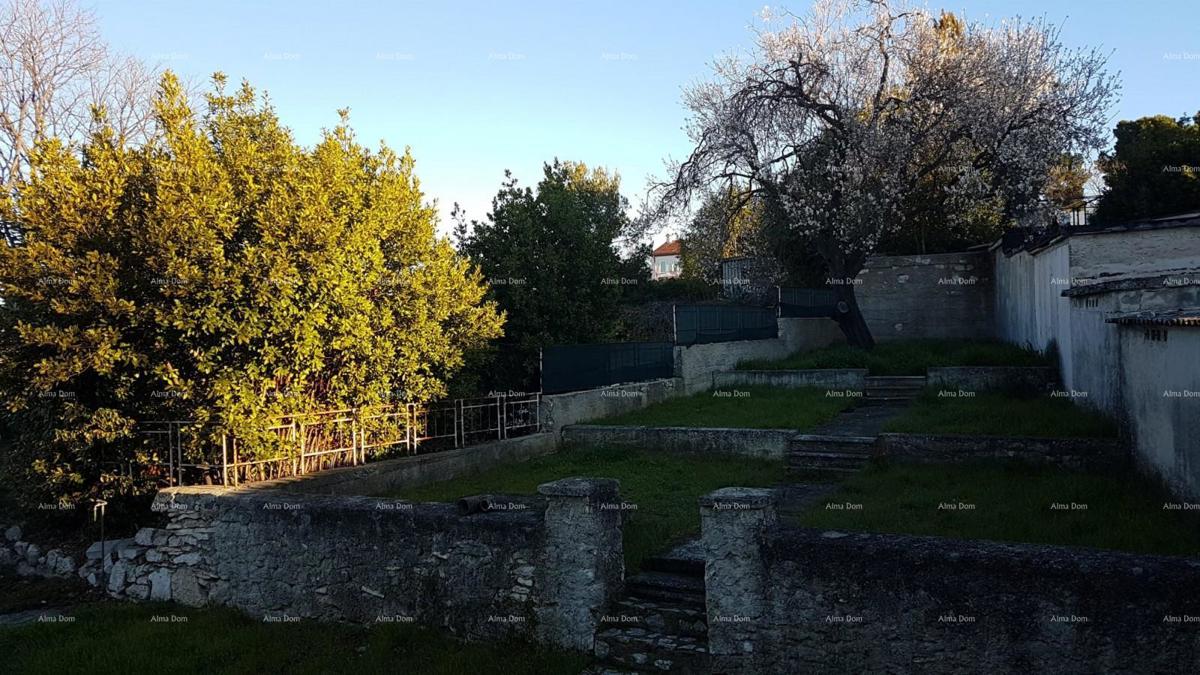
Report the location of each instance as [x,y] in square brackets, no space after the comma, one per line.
[892,390]
[845,443]
[660,625]
[842,454]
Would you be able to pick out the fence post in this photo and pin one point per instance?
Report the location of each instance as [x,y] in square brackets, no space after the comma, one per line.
[224,459]
[353,438]
[411,437]
[499,420]
[674,324]
[456,413]
[299,426]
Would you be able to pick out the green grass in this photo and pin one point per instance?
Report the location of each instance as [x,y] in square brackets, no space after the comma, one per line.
[907,357]
[117,638]
[1012,503]
[748,407]
[1001,414]
[663,487]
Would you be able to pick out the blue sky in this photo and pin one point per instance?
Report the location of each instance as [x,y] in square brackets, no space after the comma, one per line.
[479,87]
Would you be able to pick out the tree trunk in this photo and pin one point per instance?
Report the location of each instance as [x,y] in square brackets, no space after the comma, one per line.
[849,316]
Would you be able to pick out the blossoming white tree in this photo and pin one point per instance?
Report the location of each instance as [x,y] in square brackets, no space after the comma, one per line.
[839,116]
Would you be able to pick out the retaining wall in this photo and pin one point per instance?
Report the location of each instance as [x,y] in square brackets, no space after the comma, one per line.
[543,570]
[983,378]
[785,599]
[758,443]
[852,379]
[390,475]
[1069,453]
[562,410]
[697,364]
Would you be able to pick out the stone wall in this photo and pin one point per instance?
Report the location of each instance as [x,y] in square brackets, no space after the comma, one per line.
[1068,453]
[540,568]
[769,444]
[944,295]
[785,599]
[974,378]
[843,379]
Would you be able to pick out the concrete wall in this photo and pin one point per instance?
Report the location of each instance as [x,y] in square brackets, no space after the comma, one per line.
[1160,383]
[1087,454]
[391,475]
[1030,309]
[794,600]
[1105,256]
[771,444]
[1096,363]
[561,410]
[853,379]
[697,363]
[945,295]
[983,378]
[544,572]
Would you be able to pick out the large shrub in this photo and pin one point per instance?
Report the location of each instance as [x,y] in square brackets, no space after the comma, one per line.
[223,273]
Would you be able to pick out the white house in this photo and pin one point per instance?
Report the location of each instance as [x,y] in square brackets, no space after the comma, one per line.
[664,261]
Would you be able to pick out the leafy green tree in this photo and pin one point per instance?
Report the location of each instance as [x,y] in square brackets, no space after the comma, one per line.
[550,257]
[220,272]
[1153,170]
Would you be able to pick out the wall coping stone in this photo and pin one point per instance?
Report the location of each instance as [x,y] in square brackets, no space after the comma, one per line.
[576,486]
[739,499]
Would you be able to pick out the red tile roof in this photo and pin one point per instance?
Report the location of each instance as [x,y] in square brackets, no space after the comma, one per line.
[669,248]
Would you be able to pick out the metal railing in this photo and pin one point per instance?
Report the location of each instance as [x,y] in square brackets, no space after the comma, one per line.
[194,453]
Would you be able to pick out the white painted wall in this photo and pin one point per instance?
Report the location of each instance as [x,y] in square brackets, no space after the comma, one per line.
[1165,429]
[1030,309]
[1136,253]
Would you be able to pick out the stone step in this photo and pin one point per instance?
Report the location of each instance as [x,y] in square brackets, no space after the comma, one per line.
[678,588]
[669,618]
[650,651]
[825,443]
[890,400]
[892,389]
[827,461]
[918,380]
[685,558]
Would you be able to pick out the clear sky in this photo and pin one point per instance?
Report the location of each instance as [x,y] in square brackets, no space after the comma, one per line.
[475,88]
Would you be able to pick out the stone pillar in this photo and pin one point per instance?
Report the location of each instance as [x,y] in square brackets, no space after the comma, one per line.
[733,521]
[582,565]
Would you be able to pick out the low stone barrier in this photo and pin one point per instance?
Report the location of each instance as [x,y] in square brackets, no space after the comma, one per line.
[851,379]
[758,443]
[543,569]
[786,599]
[979,378]
[561,410]
[1069,453]
[391,475]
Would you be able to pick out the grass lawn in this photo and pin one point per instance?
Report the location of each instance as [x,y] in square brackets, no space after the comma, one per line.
[1001,414]
[748,407]
[1012,503]
[907,357]
[109,637]
[664,487]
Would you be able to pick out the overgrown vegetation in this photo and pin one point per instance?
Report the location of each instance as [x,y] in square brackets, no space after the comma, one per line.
[1001,414]
[748,407]
[664,487]
[1011,503]
[908,357]
[1153,169]
[219,272]
[119,638]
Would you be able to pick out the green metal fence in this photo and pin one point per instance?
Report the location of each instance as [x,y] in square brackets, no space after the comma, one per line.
[698,324]
[806,302]
[576,367]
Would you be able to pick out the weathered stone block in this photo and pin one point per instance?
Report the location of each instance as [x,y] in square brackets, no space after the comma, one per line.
[13,533]
[160,584]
